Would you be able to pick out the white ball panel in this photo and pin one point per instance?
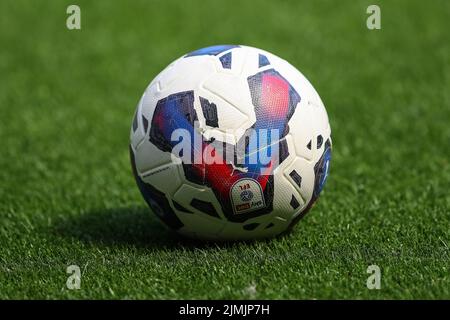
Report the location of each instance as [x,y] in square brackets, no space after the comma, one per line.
[186,193]
[159,175]
[199,226]
[234,230]
[149,157]
[229,116]
[305,169]
[302,130]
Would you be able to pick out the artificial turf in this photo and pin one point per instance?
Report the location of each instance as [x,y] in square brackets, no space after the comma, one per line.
[67,195]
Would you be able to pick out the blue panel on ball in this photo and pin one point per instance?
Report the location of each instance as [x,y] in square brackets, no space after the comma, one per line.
[212,51]
[226,60]
[321,169]
[263,61]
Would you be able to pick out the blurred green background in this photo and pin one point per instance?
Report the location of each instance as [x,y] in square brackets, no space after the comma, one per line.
[67,195]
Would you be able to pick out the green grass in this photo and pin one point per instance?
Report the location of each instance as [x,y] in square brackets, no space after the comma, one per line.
[67,195]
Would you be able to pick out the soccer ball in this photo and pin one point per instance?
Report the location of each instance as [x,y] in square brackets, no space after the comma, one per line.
[230,142]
